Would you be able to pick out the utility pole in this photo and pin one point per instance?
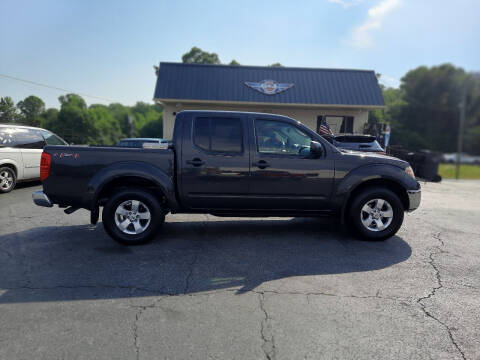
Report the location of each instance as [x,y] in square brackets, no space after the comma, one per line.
[461,124]
[130,125]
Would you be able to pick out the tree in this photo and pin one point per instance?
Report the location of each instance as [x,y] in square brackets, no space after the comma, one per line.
[74,124]
[144,117]
[122,115]
[432,96]
[49,119]
[8,110]
[234,63]
[198,56]
[30,110]
[277,64]
[106,128]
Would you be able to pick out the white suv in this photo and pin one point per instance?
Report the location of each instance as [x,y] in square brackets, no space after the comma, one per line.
[20,151]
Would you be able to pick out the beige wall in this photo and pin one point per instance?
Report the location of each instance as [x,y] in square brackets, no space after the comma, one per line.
[306,116]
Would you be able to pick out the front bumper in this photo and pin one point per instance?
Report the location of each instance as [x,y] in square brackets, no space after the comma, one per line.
[414,197]
[41,199]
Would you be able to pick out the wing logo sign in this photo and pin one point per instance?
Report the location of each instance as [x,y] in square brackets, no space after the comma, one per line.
[268,87]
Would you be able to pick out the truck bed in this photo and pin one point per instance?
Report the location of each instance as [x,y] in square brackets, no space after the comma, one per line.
[76,170]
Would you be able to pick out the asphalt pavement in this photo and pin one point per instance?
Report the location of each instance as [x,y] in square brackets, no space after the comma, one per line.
[236,288]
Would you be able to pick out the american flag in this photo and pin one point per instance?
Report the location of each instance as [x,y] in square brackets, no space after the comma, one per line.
[324,128]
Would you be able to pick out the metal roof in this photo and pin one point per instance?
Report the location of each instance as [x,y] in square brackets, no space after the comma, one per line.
[178,81]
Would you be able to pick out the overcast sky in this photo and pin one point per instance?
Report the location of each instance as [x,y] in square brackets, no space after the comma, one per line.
[107,48]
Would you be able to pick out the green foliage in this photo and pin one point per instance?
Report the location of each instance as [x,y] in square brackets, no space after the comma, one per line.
[198,56]
[49,118]
[472,140]
[8,110]
[277,64]
[424,113]
[122,115]
[74,123]
[234,63]
[31,109]
[106,128]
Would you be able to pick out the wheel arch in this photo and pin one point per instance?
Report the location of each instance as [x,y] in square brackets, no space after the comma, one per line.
[10,165]
[131,174]
[394,186]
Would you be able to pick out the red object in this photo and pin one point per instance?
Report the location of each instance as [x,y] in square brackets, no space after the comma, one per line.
[45,163]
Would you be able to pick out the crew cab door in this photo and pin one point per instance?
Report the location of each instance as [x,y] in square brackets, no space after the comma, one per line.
[214,162]
[284,174]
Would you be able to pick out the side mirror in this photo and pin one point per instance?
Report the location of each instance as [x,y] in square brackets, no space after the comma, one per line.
[316,149]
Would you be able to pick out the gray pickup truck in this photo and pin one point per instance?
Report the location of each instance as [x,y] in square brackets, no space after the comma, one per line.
[229,164]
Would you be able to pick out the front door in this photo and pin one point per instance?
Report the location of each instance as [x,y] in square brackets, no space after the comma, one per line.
[284,175]
[215,162]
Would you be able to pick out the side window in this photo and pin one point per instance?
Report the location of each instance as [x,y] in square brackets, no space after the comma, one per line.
[29,139]
[7,138]
[52,139]
[278,137]
[218,134]
[201,133]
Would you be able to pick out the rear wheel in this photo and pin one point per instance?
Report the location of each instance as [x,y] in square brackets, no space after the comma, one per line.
[376,214]
[7,179]
[132,216]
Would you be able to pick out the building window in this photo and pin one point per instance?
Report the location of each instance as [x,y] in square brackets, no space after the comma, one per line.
[222,135]
[338,124]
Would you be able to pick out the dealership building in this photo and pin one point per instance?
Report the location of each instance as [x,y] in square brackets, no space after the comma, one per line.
[343,97]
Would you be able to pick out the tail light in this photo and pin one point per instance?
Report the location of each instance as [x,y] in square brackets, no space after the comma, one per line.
[45,162]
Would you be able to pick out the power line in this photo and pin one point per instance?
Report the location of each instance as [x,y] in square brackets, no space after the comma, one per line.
[57,88]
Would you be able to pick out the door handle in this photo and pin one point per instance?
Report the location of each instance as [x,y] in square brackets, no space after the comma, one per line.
[196,162]
[262,164]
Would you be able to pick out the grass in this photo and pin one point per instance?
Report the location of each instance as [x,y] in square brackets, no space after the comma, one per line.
[467,171]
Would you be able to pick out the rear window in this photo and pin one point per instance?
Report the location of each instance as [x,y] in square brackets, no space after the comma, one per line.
[29,139]
[218,134]
[7,138]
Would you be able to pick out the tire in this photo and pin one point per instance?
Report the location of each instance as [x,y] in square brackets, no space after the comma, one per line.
[8,179]
[382,207]
[130,227]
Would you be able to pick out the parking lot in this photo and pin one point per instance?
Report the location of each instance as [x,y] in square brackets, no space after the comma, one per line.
[235,288]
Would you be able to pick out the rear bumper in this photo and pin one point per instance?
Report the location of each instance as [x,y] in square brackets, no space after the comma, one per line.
[41,199]
[414,197]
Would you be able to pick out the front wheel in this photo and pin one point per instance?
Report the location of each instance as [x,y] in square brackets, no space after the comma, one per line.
[376,214]
[132,216]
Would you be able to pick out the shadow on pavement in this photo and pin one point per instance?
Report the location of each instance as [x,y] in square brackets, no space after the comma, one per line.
[27,184]
[82,262]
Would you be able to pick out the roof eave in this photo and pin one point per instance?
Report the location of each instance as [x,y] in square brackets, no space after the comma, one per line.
[298,105]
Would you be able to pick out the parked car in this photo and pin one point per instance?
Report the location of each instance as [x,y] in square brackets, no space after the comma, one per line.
[138,142]
[464,158]
[365,143]
[20,151]
[229,164]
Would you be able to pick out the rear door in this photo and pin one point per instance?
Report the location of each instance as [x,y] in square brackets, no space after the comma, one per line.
[31,144]
[215,162]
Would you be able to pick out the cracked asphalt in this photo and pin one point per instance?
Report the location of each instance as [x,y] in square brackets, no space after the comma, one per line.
[235,288]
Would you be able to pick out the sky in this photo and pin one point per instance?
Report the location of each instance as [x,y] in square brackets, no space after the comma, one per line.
[107,49]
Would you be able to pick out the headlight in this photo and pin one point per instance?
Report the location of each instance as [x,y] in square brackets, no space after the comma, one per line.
[409,171]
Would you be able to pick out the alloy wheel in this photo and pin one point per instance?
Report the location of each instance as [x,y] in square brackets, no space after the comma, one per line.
[6,180]
[132,217]
[376,215]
